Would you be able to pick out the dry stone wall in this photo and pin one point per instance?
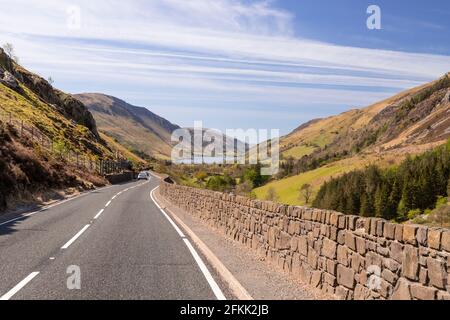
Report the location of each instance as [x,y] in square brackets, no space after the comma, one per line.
[350,257]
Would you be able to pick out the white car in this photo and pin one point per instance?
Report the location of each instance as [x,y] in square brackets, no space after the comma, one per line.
[143,176]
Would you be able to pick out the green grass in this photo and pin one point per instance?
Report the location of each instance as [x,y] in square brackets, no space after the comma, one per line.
[299,151]
[288,189]
[29,108]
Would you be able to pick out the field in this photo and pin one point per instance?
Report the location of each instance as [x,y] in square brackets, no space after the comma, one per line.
[288,189]
[298,152]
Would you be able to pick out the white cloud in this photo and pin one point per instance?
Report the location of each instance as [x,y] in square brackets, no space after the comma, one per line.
[221,48]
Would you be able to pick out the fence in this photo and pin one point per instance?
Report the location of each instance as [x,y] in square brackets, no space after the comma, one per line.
[102,167]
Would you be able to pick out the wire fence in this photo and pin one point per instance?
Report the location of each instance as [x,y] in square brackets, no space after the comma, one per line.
[61,150]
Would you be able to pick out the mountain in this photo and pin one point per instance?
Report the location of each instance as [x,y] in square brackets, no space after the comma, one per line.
[414,117]
[48,138]
[231,145]
[136,128]
[384,133]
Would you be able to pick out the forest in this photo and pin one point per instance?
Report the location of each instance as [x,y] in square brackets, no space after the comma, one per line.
[418,185]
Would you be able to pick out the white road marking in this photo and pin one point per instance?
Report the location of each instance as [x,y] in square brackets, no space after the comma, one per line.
[178,230]
[19,286]
[107,205]
[52,258]
[54,205]
[99,214]
[75,237]
[212,283]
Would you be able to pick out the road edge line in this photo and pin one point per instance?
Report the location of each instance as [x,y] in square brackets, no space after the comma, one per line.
[235,286]
[11,293]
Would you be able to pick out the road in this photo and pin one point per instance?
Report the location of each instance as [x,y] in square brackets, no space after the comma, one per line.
[113,243]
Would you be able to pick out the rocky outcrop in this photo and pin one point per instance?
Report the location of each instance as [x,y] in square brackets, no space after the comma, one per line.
[348,256]
[10,81]
[67,105]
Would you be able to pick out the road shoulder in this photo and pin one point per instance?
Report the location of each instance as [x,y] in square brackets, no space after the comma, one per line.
[259,280]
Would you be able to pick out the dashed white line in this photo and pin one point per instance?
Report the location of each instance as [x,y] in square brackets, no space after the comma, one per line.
[107,205]
[75,237]
[19,286]
[99,214]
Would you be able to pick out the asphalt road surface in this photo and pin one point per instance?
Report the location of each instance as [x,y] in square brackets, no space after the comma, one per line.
[113,243]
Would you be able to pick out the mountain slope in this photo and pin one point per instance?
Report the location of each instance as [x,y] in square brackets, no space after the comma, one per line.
[47,137]
[352,127]
[136,128]
[411,122]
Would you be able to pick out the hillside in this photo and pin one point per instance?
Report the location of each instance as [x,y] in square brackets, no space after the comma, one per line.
[136,128]
[49,140]
[384,133]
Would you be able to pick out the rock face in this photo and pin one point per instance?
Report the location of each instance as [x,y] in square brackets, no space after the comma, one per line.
[11,74]
[350,257]
[9,80]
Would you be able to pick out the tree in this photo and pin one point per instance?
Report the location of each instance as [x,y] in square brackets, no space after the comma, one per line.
[306,192]
[10,51]
[201,175]
[245,188]
[448,191]
[272,195]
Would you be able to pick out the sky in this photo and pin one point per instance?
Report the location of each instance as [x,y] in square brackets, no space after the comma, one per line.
[232,63]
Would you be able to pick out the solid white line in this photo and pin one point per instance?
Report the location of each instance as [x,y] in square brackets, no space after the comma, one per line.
[107,205]
[178,230]
[212,283]
[75,237]
[19,286]
[99,214]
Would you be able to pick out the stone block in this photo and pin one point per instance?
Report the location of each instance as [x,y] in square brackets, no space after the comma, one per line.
[434,238]
[445,241]
[361,246]
[410,263]
[402,290]
[409,234]
[285,241]
[399,232]
[389,276]
[342,293]
[380,228]
[303,245]
[294,244]
[346,277]
[342,255]
[391,265]
[316,278]
[396,251]
[329,249]
[423,276]
[331,267]
[422,236]
[389,231]
[421,292]
[313,258]
[350,241]
[437,273]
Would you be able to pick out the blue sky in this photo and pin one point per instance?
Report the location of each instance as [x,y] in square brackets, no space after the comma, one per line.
[232,63]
